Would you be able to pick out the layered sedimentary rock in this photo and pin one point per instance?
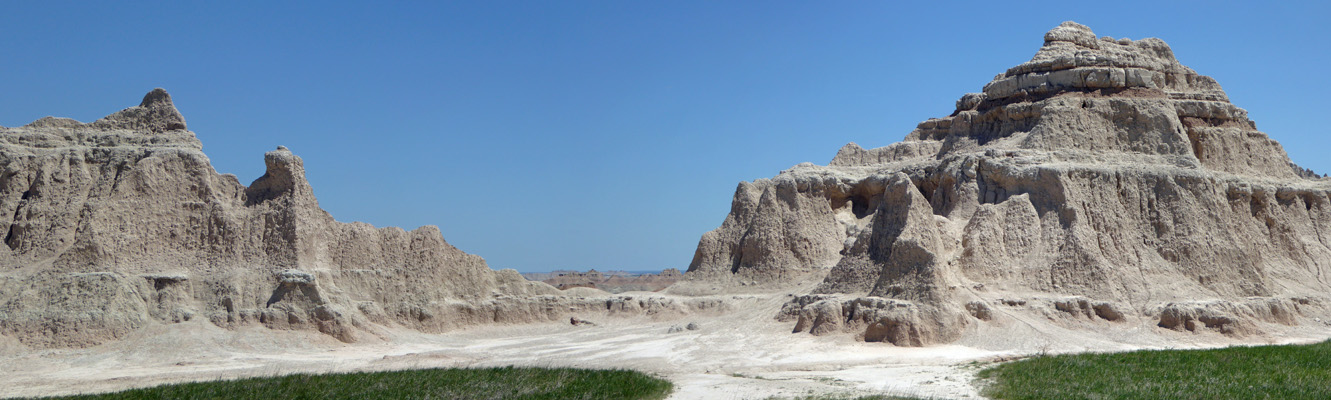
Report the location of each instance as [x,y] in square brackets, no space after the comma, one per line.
[117,224]
[1101,180]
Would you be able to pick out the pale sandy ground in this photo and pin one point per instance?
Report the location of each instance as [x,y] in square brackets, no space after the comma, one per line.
[742,354]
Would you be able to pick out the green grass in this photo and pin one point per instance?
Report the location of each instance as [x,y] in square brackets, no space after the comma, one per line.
[1263,372]
[485,383]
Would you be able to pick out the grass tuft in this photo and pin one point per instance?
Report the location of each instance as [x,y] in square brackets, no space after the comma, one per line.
[1262,372]
[482,383]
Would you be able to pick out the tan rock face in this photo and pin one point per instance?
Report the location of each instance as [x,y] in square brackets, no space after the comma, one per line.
[1101,168]
[122,222]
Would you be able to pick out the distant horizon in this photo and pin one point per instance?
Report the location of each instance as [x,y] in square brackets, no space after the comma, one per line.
[639,271]
[610,136]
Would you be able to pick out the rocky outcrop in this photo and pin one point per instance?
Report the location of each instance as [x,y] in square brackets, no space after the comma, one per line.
[1102,169]
[121,223]
[874,319]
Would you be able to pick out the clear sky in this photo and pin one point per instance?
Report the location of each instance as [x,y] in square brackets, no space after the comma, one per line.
[609,134]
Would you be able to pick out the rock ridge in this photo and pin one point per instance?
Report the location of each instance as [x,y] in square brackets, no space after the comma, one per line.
[122,223]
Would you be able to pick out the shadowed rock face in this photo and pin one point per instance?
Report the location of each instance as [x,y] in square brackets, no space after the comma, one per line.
[1101,171]
[119,223]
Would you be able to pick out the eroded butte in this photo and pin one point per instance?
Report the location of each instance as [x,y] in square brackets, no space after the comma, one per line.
[1101,196]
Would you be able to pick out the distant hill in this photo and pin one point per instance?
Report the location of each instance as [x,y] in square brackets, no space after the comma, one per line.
[610,281]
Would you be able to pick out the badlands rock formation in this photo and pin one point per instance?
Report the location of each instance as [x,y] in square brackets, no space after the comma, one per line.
[121,223]
[1101,183]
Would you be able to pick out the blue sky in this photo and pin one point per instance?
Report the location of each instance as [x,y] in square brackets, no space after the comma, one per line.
[607,134]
